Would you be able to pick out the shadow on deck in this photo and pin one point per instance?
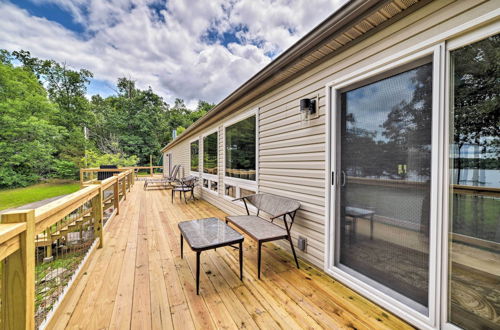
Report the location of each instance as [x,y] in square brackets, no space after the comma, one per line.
[139,281]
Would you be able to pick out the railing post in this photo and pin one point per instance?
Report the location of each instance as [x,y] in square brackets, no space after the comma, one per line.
[116,195]
[81,177]
[98,217]
[18,276]
[151,165]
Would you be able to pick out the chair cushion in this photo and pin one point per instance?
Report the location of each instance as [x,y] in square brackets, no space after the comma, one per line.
[256,227]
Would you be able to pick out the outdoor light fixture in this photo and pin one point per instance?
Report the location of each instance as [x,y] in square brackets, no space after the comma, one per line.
[308,109]
[308,106]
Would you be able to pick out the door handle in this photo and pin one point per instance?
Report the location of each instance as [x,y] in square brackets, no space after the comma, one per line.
[343,179]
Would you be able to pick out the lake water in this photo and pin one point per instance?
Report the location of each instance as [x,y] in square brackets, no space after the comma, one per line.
[482,178]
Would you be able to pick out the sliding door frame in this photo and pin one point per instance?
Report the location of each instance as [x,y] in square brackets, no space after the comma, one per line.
[333,90]
[452,44]
[439,46]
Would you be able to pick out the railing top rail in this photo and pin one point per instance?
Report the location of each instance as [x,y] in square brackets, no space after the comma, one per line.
[9,230]
[142,167]
[402,183]
[50,213]
[103,169]
[476,188]
[121,169]
[105,184]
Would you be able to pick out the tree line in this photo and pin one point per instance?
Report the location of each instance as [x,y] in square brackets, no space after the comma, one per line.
[49,128]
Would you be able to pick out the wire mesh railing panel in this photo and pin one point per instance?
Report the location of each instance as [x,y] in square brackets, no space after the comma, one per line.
[59,252]
[108,202]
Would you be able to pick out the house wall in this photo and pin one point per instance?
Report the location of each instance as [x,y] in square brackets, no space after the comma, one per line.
[292,155]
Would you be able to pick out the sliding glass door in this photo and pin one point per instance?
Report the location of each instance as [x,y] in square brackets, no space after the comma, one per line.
[384,167]
[415,191]
[473,300]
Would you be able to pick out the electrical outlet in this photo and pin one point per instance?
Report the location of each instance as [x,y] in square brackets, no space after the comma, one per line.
[302,243]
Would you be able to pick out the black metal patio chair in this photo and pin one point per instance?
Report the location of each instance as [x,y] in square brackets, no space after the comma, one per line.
[183,186]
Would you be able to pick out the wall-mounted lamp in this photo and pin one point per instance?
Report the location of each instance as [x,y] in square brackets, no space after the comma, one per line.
[308,109]
[308,106]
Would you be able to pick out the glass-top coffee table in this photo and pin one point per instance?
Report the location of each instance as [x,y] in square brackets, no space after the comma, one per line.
[206,234]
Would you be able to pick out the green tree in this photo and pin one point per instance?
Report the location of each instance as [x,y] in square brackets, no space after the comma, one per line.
[28,137]
[67,89]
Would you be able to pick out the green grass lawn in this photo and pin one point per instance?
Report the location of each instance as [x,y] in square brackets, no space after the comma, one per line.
[19,196]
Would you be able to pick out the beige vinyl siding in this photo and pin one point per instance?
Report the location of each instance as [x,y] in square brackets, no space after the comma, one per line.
[182,156]
[292,156]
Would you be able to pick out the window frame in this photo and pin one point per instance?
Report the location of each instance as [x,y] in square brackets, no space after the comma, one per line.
[333,90]
[469,32]
[210,177]
[237,182]
[452,44]
[191,172]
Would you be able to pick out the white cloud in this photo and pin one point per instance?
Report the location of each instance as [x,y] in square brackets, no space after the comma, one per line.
[166,45]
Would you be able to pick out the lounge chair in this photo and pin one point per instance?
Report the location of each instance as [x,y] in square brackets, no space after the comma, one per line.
[165,181]
[263,230]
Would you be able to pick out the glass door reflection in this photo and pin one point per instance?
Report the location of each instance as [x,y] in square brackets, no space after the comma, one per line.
[385,152]
[474,234]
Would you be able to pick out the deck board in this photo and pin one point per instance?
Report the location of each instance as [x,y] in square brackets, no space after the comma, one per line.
[139,281]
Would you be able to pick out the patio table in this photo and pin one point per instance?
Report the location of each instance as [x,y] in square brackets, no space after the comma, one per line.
[357,212]
[206,234]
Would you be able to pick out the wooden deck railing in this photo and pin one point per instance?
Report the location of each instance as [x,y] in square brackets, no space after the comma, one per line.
[89,175]
[27,236]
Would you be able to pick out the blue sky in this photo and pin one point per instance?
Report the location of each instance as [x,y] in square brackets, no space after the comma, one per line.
[181,48]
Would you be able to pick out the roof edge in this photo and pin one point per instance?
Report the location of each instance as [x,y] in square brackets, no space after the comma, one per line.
[343,15]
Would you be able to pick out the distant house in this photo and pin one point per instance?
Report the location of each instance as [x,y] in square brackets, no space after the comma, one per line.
[360,121]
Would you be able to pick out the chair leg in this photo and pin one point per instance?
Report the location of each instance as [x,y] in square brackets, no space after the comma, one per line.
[198,272]
[259,254]
[182,247]
[241,261]
[185,199]
[293,251]
[172,195]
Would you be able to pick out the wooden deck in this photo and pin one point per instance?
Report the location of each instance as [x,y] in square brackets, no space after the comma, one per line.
[139,281]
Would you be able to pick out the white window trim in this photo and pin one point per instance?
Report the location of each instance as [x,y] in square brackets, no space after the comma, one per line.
[211,178]
[467,33]
[191,172]
[237,182]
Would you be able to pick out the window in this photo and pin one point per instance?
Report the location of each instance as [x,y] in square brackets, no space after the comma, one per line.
[240,149]
[210,154]
[195,156]
[474,231]
[240,145]
[210,162]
